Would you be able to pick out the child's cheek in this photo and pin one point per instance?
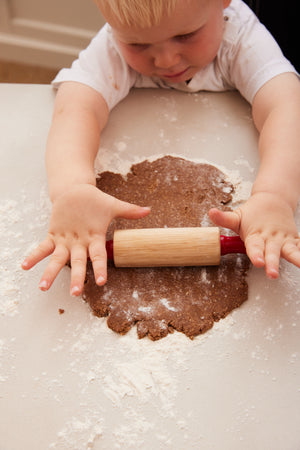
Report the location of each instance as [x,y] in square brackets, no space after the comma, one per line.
[137,60]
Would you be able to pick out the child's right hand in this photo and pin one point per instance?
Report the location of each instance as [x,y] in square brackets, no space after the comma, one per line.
[78,225]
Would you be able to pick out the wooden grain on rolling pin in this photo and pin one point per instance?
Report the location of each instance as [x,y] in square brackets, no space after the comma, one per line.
[157,247]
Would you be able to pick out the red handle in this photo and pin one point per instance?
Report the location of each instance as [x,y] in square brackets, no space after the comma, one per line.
[110,250]
[232,244]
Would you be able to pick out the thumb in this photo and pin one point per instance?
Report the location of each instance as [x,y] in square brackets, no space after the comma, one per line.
[226,219]
[131,211]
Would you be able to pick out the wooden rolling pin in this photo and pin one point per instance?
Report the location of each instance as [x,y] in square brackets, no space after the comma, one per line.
[157,247]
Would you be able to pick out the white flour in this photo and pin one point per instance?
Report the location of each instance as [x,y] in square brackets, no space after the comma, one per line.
[16,244]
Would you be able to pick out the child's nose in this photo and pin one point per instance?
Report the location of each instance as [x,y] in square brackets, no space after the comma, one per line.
[166,56]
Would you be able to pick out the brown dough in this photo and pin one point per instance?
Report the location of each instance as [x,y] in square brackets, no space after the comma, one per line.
[159,300]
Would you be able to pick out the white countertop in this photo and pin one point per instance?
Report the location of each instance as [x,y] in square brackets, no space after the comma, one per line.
[66,380]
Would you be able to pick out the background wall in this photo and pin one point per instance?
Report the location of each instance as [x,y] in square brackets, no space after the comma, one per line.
[47,33]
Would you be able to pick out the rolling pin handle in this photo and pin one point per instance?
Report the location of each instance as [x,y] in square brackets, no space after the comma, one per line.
[110,250]
[231,244]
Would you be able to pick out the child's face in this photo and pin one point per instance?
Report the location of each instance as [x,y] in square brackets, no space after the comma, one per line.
[179,46]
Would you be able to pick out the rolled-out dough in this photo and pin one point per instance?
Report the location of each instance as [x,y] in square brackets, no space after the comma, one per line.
[161,300]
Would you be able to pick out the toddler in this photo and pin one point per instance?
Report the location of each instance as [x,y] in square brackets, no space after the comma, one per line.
[189,45]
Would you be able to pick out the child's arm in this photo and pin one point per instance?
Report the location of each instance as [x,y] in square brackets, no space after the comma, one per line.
[81,213]
[266,221]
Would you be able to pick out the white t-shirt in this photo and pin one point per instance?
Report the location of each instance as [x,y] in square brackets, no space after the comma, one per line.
[247,58]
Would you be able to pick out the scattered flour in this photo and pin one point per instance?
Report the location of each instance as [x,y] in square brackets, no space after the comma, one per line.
[166,303]
[245,163]
[145,309]
[79,433]
[20,223]
[130,373]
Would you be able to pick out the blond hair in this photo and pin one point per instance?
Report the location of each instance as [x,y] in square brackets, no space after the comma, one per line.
[141,13]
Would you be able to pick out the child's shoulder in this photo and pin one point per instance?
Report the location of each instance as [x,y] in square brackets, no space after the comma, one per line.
[239,11]
[239,20]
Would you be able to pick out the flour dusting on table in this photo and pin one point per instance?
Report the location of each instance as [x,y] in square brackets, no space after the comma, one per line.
[20,221]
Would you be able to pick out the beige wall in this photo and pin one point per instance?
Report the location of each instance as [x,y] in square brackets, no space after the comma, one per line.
[49,33]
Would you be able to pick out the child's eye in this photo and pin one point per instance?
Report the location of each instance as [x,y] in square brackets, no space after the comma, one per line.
[139,47]
[186,37]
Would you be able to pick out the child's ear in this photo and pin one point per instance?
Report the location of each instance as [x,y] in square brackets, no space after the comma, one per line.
[226,3]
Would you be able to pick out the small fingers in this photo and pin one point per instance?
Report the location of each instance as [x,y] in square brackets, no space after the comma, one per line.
[226,219]
[255,247]
[130,211]
[264,253]
[291,252]
[98,257]
[272,257]
[44,249]
[57,261]
[78,269]
[276,247]
[267,252]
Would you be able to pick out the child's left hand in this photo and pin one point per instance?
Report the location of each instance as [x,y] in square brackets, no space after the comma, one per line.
[267,226]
